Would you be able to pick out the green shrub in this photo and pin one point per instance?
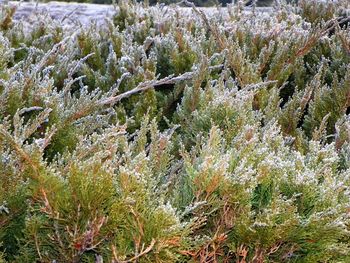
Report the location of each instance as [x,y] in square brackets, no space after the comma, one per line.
[170,137]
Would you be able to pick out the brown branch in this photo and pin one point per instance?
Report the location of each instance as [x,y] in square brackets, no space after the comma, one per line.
[135,258]
[150,84]
[143,86]
[144,252]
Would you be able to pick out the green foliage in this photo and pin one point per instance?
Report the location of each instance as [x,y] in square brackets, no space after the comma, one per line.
[161,136]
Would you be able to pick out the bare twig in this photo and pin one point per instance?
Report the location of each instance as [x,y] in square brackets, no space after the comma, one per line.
[143,86]
[30,109]
[144,252]
[150,84]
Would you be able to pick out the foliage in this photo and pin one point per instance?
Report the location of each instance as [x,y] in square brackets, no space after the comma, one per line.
[161,136]
[203,3]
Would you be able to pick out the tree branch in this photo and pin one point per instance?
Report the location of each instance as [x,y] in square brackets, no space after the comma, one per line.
[150,84]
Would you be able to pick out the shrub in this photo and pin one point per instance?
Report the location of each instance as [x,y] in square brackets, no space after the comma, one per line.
[167,137]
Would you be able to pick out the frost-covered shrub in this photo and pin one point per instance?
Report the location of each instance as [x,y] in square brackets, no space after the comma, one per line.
[162,136]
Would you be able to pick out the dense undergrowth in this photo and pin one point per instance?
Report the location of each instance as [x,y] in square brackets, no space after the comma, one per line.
[164,137]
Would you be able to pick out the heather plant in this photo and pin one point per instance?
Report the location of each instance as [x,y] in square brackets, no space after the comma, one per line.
[173,135]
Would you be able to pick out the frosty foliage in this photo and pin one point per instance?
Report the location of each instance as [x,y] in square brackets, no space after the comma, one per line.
[160,136]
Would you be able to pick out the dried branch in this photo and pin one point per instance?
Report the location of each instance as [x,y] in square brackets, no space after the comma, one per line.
[144,252]
[144,86]
[150,84]
[30,109]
